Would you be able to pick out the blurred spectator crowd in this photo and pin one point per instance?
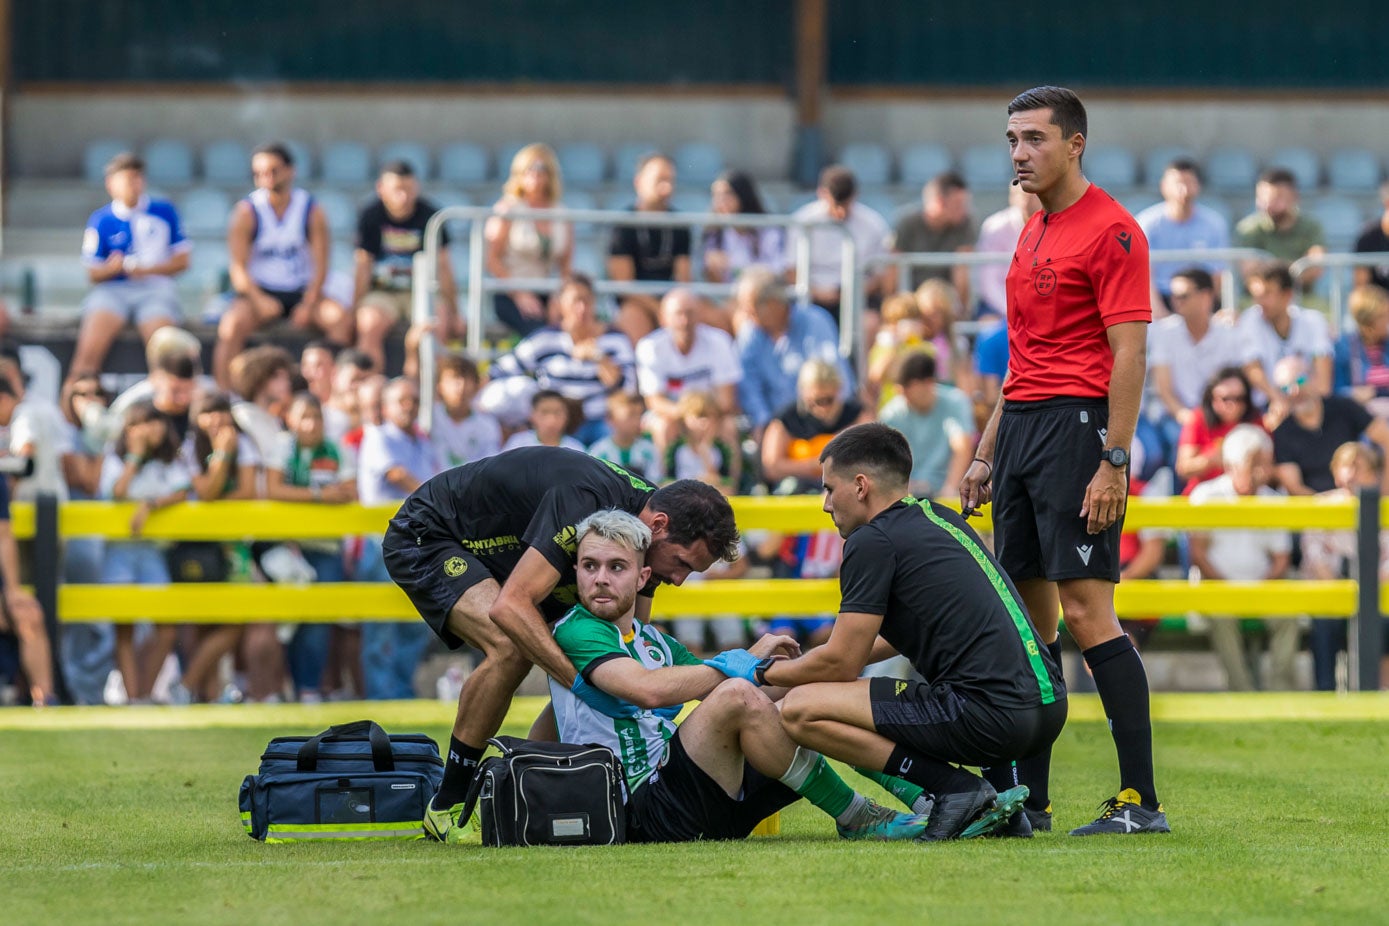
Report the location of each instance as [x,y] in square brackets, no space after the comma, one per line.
[741,391]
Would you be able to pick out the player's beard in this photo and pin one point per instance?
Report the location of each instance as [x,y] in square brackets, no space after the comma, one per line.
[619,602]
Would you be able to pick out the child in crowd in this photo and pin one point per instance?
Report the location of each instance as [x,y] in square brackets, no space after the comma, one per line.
[144,466]
[310,468]
[223,464]
[625,444]
[698,452]
[902,332]
[459,433]
[551,416]
[1332,555]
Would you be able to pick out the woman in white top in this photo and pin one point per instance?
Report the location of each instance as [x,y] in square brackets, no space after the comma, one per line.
[527,248]
[145,466]
[728,249]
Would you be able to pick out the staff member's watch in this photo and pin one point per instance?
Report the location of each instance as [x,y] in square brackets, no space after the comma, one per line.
[759,671]
[1115,456]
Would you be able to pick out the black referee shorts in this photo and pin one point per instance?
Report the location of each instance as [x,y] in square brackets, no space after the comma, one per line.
[1045,456]
[681,803]
[950,726]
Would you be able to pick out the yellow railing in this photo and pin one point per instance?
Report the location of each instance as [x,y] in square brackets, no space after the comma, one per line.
[230,603]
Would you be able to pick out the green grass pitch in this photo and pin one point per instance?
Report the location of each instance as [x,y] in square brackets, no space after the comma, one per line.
[1279,806]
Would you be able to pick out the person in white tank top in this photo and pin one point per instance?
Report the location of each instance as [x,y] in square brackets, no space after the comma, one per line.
[526,248]
[278,244]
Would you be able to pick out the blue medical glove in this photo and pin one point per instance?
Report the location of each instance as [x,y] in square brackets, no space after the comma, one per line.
[601,701]
[736,663]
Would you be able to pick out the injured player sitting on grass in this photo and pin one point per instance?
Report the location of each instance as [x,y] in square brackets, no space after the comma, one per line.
[730,764]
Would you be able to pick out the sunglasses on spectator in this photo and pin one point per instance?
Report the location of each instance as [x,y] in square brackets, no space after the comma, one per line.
[1295,384]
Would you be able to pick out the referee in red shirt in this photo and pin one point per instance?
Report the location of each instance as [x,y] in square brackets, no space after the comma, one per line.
[1054,455]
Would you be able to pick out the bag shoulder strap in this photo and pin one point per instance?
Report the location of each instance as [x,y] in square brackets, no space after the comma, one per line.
[381,758]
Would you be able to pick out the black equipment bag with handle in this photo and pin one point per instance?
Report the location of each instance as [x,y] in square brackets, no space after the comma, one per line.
[352,781]
[549,794]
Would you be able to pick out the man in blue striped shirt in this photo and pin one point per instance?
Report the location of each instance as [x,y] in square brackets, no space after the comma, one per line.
[133,248]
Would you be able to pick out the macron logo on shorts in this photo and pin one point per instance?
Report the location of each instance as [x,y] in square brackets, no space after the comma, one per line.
[1085,553]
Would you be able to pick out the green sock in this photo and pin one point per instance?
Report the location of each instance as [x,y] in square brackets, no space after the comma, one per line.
[906,792]
[811,777]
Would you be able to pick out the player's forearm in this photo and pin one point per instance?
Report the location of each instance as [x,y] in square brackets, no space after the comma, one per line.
[985,450]
[1125,395]
[669,686]
[818,665]
[527,629]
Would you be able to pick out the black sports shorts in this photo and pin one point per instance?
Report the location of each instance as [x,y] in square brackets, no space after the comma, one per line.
[945,724]
[1046,454]
[433,571]
[681,803]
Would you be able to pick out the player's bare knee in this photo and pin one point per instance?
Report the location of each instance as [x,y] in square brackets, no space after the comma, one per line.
[736,697]
[796,713]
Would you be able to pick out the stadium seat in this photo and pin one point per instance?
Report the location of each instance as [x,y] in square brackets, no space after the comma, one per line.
[619,198]
[1231,169]
[340,211]
[590,256]
[1112,167]
[698,163]
[1353,170]
[412,153]
[304,163]
[581,199]
[452,196]
[886,203]
[463,163]
[583,165]
[227,163]
[506,153]
[870,162]
[1341,218]
[96,155]
[1137,201]
[1220,206]
[1157,159]
[1304,164]
[347,164]
[204,212]
[986,166]
[921,162]
[691,200]
[169,162]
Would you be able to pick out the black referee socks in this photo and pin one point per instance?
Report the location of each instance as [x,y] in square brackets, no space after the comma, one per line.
[1123,687]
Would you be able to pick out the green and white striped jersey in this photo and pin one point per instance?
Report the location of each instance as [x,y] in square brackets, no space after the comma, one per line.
[589,641]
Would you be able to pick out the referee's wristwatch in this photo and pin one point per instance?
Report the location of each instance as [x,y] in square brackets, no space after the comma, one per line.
[1117,457]
[759,671]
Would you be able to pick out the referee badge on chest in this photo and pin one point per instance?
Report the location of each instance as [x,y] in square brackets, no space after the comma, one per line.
[1044,281]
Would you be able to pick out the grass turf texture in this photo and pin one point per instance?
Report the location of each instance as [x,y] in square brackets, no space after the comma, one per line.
[1279,807]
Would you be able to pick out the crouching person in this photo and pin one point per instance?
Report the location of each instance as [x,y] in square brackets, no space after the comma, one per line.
[729,765]
[917,580]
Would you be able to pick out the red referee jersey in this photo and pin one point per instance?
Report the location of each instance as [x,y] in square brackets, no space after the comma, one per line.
[1074,273]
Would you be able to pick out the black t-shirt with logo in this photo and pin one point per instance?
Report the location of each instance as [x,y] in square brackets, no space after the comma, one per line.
[393,244]
[529,497]
[653,250]
[1343,420]
[947,605]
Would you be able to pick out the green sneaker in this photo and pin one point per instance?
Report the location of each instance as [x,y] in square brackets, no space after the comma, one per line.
[882,823]
[1004,806]
[444,825]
